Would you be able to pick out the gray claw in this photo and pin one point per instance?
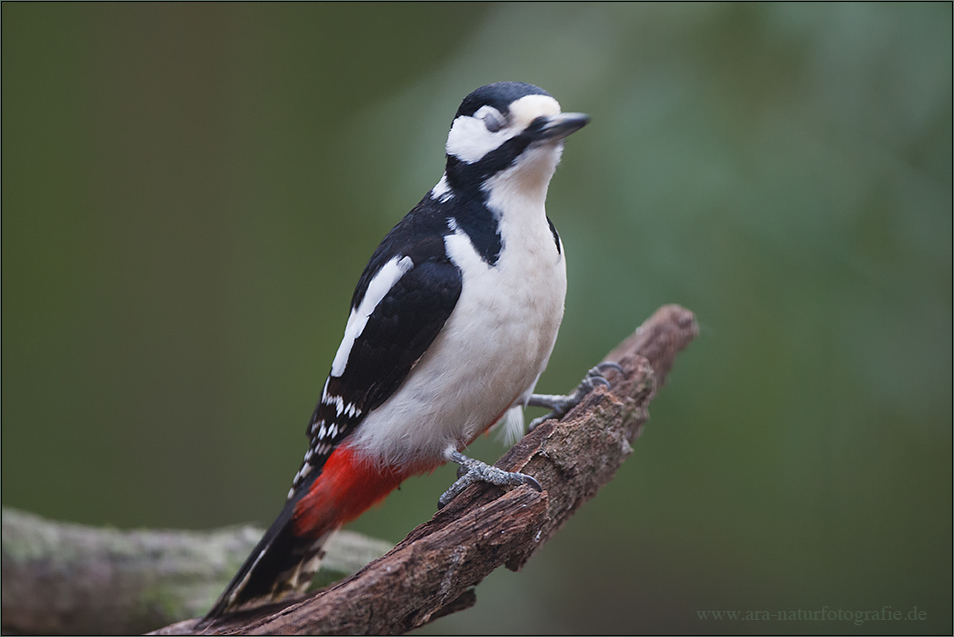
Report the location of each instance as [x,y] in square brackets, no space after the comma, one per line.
[536,422]
[531,482]
[595,377]
[472,471]
[560,405]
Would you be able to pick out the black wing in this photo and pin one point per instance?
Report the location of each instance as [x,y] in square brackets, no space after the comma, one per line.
[397,333]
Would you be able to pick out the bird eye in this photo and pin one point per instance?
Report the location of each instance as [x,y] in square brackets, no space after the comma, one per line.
[493,122]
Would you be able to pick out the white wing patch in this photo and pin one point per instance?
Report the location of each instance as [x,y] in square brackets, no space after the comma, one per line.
[442,191]
[389,274]
[341,407]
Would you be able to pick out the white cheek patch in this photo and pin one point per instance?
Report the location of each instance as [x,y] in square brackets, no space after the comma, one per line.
[380,285]
[469,140]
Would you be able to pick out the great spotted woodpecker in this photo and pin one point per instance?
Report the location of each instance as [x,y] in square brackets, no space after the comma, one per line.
[452,323]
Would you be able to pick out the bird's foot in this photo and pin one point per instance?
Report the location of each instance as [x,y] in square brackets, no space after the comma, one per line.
[472,471]
[559,406]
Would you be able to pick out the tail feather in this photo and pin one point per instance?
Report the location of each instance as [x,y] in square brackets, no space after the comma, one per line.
[280,564]
[290,552]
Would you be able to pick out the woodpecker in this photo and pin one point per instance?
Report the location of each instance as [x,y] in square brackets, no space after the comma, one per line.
[452,322]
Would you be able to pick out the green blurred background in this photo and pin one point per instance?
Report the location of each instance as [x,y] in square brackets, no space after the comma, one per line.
[189,193]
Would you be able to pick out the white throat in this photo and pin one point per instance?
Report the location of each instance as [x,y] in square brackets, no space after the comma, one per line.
[522,188]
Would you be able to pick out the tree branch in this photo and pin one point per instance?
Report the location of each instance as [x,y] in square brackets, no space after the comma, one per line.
[65,578]
[433,569]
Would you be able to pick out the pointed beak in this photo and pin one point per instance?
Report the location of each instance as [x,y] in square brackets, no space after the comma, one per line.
[558,126]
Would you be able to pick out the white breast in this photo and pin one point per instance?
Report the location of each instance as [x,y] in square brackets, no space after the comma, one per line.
[490,352]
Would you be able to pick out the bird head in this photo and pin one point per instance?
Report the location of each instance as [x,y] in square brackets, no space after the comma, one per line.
[508,131]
